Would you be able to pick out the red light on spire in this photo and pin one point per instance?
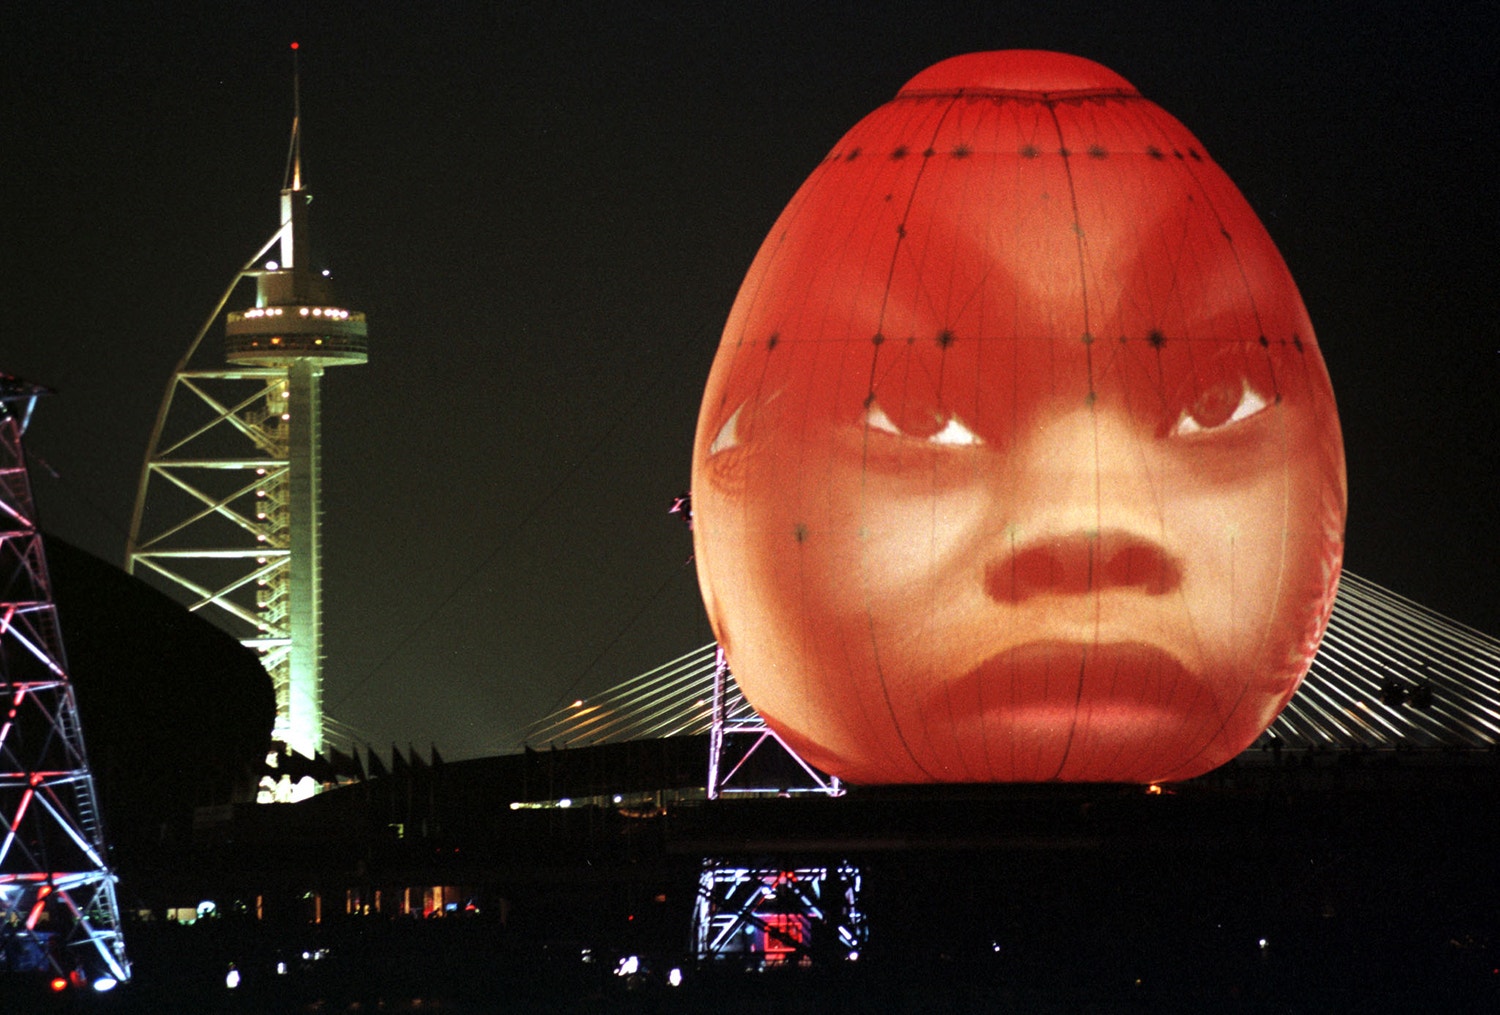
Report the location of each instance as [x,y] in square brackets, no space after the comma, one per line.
[294,45]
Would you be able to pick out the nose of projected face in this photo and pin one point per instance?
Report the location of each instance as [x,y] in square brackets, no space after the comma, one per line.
[1085,517]
[1077,563]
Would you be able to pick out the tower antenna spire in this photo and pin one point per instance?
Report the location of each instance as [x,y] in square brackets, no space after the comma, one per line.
[291,179]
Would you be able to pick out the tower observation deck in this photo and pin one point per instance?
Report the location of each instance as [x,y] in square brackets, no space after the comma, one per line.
[228,511]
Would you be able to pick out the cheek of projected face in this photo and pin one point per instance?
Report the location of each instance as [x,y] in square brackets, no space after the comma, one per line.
[1014,488]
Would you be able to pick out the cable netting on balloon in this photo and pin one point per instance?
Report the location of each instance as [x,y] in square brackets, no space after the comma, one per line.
[1018,460]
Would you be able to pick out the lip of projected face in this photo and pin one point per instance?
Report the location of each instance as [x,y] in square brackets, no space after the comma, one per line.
[1033,691]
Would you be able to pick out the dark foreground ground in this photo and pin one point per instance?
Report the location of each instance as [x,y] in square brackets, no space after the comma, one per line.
[1324,884]
[458,966]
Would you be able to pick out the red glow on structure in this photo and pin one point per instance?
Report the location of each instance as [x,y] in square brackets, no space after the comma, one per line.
[58,984]
[1018,460]
[295,46]
[40,904]
[785,934]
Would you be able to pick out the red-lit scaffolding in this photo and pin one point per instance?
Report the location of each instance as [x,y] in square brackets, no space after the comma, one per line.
[58,911]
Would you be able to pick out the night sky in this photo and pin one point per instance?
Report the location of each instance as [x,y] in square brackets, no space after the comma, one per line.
[546,210]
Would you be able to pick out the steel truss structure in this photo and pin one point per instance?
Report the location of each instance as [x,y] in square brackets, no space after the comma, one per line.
[767,916]
[689,696]
[228,512]
[57,892]
[736,734]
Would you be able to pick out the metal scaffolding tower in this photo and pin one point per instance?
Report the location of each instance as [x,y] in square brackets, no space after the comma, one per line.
[57,893]
[768,916]
[735,734]
[693,694]
[228,511]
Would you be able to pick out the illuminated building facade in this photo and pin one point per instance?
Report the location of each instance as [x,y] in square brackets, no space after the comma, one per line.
[228,511]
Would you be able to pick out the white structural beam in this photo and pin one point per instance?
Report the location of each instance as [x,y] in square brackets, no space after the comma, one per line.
[57,891]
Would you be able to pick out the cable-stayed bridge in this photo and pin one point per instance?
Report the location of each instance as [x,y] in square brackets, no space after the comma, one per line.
[1390,674]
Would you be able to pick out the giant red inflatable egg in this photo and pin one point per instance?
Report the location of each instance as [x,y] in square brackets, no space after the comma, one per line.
[1018,460]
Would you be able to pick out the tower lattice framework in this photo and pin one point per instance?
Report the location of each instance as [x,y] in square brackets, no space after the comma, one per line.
[58,909]
[228,512]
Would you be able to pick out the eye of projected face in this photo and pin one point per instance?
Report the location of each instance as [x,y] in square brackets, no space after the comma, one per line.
[930,427]
[1222,405]
[729,434]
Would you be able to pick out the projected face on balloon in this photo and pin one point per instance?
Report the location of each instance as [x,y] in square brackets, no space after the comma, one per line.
[1018,461]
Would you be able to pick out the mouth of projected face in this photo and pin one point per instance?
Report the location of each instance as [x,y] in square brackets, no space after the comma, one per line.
[1076,711]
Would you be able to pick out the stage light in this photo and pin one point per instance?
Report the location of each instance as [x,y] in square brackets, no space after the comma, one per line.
[105,984]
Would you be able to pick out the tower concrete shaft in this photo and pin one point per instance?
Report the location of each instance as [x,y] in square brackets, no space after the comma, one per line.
[304,704]
[58,911]
[228,512]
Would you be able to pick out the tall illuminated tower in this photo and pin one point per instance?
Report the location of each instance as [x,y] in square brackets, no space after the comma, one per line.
[228,512]
[58,911]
